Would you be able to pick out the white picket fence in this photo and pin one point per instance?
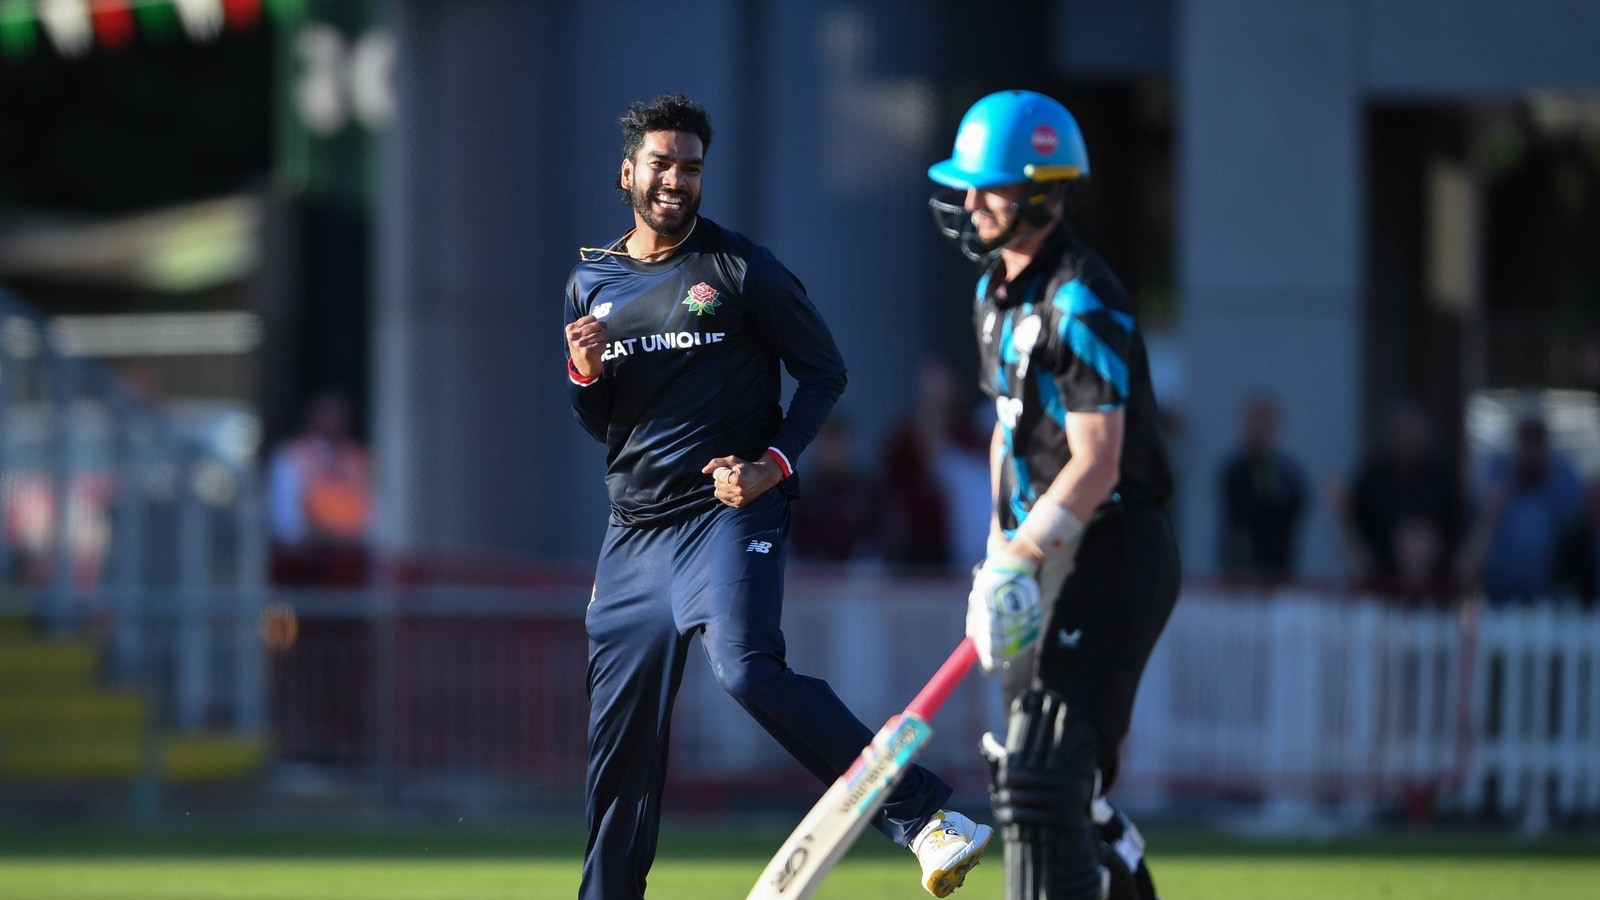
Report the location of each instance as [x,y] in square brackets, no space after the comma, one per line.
[1319,703]
[1303,704]
[1315,705]
[1536,715]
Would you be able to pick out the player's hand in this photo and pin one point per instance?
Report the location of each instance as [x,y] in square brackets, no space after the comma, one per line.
[586,343]
[1003,611]
[739,482]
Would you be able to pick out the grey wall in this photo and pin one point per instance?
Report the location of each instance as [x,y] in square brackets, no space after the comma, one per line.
[500,166]
[468,193]
[1270,211]
[500,163]
[1269,236]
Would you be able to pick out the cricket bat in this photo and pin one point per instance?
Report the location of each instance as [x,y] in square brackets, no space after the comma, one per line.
[835,822]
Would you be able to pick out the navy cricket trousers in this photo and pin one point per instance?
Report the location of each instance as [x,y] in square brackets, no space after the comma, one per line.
[719,574]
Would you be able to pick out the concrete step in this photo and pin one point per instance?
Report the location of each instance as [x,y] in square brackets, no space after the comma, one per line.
[28,664]
[58,726]
[45,758]
[185,759]
[71,713]
[232,756]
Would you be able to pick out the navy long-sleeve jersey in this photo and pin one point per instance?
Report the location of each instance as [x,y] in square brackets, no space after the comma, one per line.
[692,368]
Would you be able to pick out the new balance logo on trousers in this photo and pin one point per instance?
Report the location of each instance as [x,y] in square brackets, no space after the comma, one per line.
[759,547]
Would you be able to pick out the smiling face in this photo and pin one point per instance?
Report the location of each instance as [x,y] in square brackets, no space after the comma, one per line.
[663,181]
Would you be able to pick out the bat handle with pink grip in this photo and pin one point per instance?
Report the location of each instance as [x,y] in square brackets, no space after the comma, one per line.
[938,689]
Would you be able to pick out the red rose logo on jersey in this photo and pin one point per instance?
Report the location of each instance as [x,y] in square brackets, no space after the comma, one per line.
[702,299]
[1044,140]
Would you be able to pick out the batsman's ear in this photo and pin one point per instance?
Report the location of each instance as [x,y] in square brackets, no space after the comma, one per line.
[625,177]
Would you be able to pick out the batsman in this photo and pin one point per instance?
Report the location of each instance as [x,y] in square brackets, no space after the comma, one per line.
[1082,568]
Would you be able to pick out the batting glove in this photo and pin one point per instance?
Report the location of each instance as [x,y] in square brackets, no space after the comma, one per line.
[1003,612]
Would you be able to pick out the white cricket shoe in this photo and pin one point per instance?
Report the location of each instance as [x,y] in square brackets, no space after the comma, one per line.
[948,847]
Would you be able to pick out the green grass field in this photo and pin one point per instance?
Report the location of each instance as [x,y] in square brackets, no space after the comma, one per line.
[232,865]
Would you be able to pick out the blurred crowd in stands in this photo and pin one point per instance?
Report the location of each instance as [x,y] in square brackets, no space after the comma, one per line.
[319,501]
[921,503]
[1521,526]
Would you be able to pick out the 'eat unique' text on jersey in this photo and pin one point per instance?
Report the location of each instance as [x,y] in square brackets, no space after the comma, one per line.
[692,368]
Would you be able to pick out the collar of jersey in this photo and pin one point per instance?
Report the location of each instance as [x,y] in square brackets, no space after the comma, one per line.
[1044,264]
[678,255]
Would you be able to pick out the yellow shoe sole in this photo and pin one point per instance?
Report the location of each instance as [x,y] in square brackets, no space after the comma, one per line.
[943,882]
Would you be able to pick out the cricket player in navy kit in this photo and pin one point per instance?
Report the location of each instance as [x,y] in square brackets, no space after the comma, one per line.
[675,333]
[1082,569]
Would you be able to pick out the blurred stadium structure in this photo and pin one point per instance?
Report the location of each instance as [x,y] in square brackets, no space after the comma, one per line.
[1342,201]
[134,562]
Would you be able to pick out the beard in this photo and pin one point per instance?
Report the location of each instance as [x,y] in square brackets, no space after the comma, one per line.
[998,227]
[666,226]
[991,236]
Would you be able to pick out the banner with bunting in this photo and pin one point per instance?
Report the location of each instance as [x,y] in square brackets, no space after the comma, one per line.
[77,27]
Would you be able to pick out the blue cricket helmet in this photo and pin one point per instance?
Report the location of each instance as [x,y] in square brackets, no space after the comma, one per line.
[1011,137]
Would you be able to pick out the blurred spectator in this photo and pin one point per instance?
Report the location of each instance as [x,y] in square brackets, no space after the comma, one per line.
[320,500]
[1580,566]
[936,503]
[966,478]
[1263,499]
[836,513]
[1529,504]
[1403,514]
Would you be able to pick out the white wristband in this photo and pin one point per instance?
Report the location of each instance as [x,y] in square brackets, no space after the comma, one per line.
[1052,528]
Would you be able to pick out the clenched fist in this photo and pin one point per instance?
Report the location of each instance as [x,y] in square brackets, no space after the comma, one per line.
[586,343]
[740,482]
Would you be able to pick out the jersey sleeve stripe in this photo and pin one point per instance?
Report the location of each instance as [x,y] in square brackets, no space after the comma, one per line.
[1050,398]
[1022,495]
[578,378]
[1078,305]
[781,460]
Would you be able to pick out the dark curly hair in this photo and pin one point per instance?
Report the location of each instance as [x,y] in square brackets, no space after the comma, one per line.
[668,112]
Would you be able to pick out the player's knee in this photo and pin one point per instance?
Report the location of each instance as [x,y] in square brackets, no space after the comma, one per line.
[1121,884]
[1122,853]
[1126,882]
[748,680]
[1047,774]
[1041,788]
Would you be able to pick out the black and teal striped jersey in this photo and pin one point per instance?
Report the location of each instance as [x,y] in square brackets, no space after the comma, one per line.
[692,368]
[1059,339]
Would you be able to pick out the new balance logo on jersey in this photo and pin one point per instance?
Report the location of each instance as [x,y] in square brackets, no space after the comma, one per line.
[1069,639]
[759,547]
